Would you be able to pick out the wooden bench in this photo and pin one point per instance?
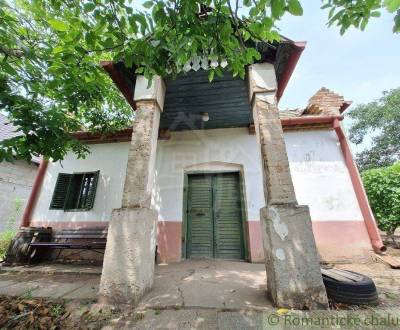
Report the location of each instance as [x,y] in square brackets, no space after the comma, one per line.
[93,239]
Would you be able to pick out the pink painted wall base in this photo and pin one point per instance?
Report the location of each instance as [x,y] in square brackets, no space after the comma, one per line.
[341,240]
[169,241]
[254,242]
[336,240]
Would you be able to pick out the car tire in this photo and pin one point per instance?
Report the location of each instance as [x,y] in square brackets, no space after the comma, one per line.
[347,287]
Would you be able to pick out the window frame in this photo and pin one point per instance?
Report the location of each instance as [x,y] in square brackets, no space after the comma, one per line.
[64,208]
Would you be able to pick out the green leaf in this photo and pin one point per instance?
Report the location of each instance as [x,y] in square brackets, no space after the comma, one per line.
[294,7]
[148,4]
[8,68]
[396,27]
[392,5]
[211,75]
[88,7]
[58,25]
[277,8]
[58,49]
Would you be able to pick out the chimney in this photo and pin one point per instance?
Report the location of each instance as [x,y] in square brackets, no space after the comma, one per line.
[325,102]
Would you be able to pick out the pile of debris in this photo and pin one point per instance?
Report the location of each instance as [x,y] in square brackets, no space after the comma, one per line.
[29,313]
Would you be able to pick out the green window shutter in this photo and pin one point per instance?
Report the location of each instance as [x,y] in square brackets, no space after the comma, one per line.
[60,191]
[91,194]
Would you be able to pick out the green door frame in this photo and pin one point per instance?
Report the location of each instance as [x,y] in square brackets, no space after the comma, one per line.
[185,209]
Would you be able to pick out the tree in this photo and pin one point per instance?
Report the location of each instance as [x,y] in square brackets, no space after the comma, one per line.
[51,84]
[379,120]
[383,189]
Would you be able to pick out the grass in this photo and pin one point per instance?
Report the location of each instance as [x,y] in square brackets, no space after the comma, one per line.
[5,240]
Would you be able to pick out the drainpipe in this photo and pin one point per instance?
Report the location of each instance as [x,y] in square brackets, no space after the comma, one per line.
[26,218]
[362,199]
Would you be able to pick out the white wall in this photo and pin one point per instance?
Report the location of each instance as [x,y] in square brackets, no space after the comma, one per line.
[318,169]
[111,160]
[320,175]
[189,148]
[16,180]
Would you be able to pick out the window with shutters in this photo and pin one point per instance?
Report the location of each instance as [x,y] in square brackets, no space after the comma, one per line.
[75,192]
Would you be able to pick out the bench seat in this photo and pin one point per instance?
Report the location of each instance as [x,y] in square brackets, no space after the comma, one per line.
[93,239]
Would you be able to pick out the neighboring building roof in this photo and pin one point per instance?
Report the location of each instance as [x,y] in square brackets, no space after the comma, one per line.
[8,131]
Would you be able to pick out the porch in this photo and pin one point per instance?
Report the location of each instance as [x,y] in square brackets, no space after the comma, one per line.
[211,284]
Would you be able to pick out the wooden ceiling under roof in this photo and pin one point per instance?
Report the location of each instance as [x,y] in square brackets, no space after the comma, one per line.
[225,99]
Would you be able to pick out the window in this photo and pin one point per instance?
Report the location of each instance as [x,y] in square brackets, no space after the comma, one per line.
[75,191]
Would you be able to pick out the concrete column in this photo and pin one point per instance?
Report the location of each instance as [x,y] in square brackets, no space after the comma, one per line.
[294,277]
[128,267]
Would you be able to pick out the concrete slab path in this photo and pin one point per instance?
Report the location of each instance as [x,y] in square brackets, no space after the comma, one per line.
[208,284]
[53,286]
[189,284]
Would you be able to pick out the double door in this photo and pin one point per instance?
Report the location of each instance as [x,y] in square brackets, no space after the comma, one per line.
[214,216]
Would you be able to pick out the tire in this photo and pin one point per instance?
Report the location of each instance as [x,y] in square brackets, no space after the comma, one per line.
[348,287]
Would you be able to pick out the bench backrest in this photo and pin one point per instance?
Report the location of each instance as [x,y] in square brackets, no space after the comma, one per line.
[82,233]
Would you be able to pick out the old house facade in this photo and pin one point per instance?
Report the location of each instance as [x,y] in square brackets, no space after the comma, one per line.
[196,168]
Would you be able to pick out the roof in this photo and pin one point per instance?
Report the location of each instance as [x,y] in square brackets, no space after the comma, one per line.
[283,54]
[329,104]
[324,106]
[8,131]
[323,102]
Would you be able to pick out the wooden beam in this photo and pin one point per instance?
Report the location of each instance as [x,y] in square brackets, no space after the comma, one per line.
[252,129]
[164,134]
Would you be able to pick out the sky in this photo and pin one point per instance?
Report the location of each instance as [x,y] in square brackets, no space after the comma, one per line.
[359,65]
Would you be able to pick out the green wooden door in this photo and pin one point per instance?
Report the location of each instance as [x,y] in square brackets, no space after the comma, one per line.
[214,217]
[227,217]
[200,217]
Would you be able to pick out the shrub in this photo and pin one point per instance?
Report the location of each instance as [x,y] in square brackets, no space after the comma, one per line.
[5,240]
[383,189]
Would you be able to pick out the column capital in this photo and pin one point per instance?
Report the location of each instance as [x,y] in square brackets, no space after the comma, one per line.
[261,79]
[268,97]
[145,93]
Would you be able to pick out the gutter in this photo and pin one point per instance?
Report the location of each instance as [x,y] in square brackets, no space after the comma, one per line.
[299,46]
[119,81]
[362,199]
[37,184]
[309,120]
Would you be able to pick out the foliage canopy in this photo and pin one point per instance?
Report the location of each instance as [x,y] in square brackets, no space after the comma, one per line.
[50,81]
[381,121]
[383,189]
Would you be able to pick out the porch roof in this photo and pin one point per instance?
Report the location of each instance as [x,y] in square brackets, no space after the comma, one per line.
[225,100]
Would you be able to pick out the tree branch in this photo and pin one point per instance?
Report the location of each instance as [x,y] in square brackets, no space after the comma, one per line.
[12,52]
[235,21]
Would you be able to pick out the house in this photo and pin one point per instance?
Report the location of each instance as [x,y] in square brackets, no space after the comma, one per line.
[16,180]
[199,163]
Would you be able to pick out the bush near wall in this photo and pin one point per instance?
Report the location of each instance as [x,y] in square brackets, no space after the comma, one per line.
[11,227]
[5,240]
[383,189]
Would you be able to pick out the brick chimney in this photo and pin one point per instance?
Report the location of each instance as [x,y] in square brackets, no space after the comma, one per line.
[325,102]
